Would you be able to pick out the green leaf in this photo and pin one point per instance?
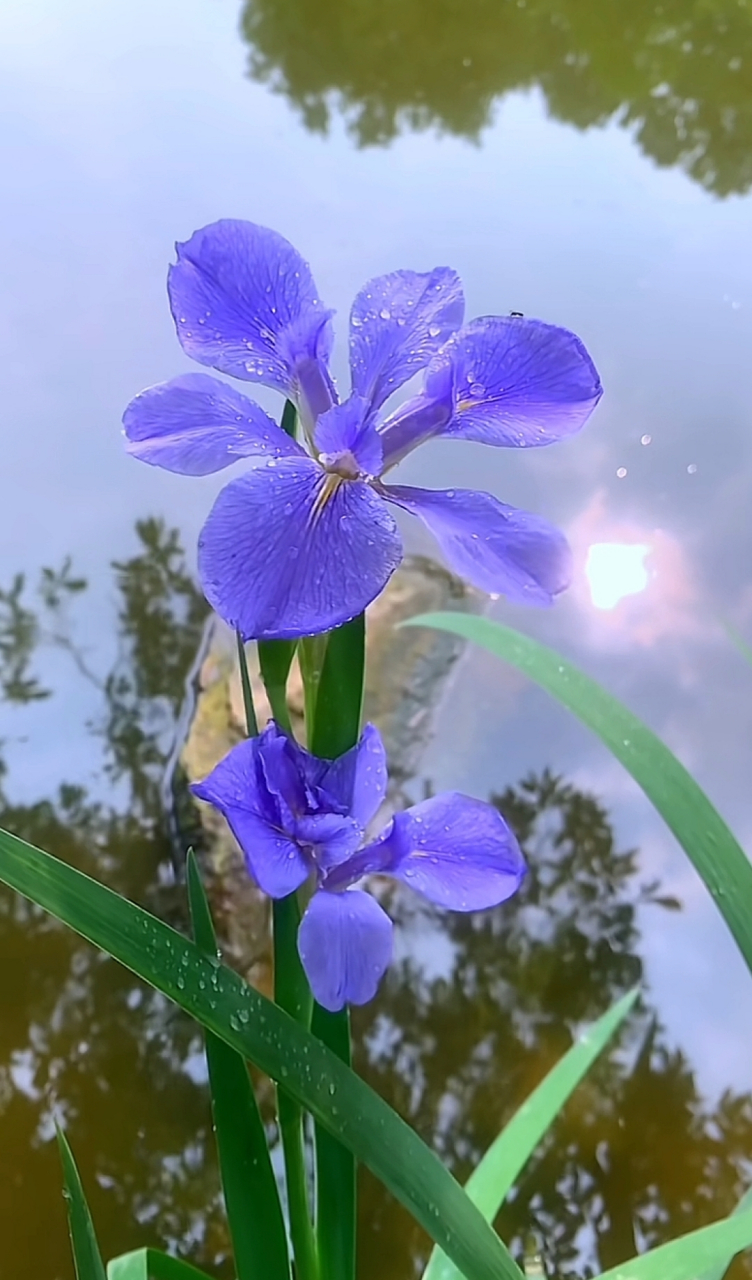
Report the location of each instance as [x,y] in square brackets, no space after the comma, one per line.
[289,418]
[741,644]
[682,1259]
[151,1264]
[494,1177]
[339,702]
[718,1272]
[685,808]
[263,1034]
[86,1255]
[254,1213]
[275,660]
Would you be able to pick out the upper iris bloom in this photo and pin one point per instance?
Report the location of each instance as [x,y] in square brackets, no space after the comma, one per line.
[305,540]
[297,817]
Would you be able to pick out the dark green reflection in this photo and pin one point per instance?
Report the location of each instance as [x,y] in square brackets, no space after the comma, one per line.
[677,73]
[639,1156]
[81,1040]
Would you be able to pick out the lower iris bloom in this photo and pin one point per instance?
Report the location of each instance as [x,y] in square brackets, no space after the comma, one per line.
[298,818]
[306,539]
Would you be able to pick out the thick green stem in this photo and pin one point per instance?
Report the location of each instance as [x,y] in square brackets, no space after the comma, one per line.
[292,993]
[312,656]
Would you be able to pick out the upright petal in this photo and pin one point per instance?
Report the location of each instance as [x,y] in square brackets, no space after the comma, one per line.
[497,548]
[358,778]
[196,424]
[518,382]
[397,323]
[456,851]
[347,442]
[236,787]
[244,302]
[345,944]
[290,551]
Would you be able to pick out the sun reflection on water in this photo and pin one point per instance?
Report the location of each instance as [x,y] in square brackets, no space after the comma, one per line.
[615,570]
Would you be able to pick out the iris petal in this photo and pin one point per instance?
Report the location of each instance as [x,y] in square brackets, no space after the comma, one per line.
[345,944]
[196,424]
[237,789]
[244,301]
[289,551]
[497,548]
[517,382]
[456,851]
[397,323]
[358,778]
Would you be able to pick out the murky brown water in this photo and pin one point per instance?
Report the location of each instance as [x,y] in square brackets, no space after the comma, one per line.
[586,165]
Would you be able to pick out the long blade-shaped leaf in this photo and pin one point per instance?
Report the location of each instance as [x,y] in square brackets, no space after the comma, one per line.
[494,1177]
[254,1213]
[86,1255]
[220,1000]
[685,808]
[152,1264]
[683,1259]
[717,1272]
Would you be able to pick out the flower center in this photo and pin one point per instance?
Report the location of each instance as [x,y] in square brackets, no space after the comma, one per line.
[340,464]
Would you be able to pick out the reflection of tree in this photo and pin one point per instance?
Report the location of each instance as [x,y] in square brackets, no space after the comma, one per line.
[80,1038]
[678,74]
[637,1157]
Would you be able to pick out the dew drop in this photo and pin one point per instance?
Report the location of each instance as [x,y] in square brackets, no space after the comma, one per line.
[477,389]
[385,313]
[434,330]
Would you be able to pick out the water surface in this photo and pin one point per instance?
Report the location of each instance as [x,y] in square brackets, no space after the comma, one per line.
[588,168]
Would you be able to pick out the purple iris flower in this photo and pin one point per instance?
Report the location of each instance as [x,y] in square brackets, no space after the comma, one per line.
[298,818]
[306,539]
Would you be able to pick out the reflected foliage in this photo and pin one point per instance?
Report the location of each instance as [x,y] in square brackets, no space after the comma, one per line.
[81,1039]
[677,74]
[638,1156]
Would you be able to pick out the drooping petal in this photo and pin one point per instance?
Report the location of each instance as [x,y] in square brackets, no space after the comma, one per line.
[358,778]
[236,787]
[347,442]
[518,382]
[196,424]
[345,944]
[456,851]
[244,302]
[496,547]
[290,551]
[397,323]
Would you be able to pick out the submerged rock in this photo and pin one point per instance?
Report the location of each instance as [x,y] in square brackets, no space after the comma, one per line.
[407,673]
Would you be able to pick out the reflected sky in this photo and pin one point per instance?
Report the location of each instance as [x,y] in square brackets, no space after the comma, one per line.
[126,127]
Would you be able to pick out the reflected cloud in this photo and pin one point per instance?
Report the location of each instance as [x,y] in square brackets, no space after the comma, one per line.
[676,76]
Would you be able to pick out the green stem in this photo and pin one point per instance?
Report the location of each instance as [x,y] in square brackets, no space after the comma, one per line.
[292,993]
[245,680]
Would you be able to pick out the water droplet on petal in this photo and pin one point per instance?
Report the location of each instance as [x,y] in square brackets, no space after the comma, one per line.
[385,313]
[477,389]
[434,330]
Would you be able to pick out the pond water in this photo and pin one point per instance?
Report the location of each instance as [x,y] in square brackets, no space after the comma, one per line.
[582,163]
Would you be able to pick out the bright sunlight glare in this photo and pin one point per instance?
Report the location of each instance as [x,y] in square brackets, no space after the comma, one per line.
[615,570]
